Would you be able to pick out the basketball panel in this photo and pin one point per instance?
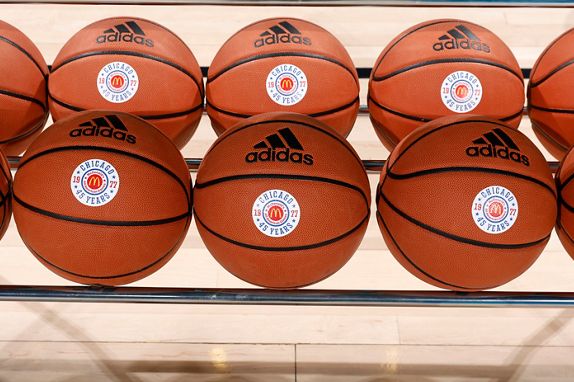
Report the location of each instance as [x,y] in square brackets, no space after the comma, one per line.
[554,93]
[556,54]
[16,36]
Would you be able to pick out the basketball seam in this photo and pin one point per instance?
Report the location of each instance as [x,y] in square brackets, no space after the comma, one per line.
[134,54]
[423,119]
[335,137]
[285,249]
[284,54]
[110,223]
[28,132]
[380,61]
[382,221]
[541,131]
[170,252]
[147,117]
[446,61]
[108,149]
[21,49]
[199,185]
[557,69]
[318,114]
[453,237]
[551,110]
[470,169]
[25,98]
[556,40]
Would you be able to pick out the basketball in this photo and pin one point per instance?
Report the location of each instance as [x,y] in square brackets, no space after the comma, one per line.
[466,203]
[565,223]
[550,107]
[23,94]
[283,64]
[102,197]
[443,67]
[131,65]
[5,194]
[281,200]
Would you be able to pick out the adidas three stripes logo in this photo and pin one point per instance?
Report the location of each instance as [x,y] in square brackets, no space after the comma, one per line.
[497,144]
[459,32]
[283,27]
[274,141]
[496,137]
[127,27]
[129,31]
[282,32]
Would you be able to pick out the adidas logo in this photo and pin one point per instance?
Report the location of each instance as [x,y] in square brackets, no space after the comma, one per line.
[497,144]
[283,32]
[460,37]
[280,147]
[129,31]
[109,126]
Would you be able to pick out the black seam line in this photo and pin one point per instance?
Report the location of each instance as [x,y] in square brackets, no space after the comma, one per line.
[285,249]
[551,73]
[28,132]
[567,205]
[470,169]
[353,71]
[563,185]
[407,258]
[167,254]
[36,63]
[457,238]
[406,149]
[539,130]
[560,227]
[110,150]
[152,117]
[561,111]
[422,119]
[201,185]
[380,61]
[315,115]
[446,61]
[134,54]
[406,116]
[111,223]
[335,137]
[24,97]
[546,50]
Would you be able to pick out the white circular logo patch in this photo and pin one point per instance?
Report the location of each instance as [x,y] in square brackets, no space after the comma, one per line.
[276,213]
[495,209]
[95,182]
[118,82]
[286,84]
[461,91]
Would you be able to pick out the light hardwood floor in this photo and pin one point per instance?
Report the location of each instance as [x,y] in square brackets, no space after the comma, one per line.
[141,342]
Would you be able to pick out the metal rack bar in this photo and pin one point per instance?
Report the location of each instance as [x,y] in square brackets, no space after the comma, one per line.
[308,297]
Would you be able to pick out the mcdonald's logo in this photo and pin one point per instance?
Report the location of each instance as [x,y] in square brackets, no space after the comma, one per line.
[461,91]
[117,81]
[286,83]
[275,213]
[95,181]
[496,209]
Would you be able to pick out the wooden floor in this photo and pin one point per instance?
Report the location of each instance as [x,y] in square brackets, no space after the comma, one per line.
[139,342]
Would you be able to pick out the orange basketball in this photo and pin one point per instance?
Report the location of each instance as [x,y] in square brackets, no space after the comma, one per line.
[466,203]
[102,197]
[281,200]
[5,194]
[283,64]
[443,67]
[565,223]
[132,65]
[550,105]
[23,73]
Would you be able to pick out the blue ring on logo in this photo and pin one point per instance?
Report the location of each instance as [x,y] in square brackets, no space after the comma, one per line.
[126,85]
[503,217]
[453,88]
[99,171]
[278,84]
[276,201]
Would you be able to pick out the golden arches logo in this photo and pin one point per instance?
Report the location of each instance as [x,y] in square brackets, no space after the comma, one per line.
[275,213]
[95,181]
[117,81]
[286,83]
[462,91]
